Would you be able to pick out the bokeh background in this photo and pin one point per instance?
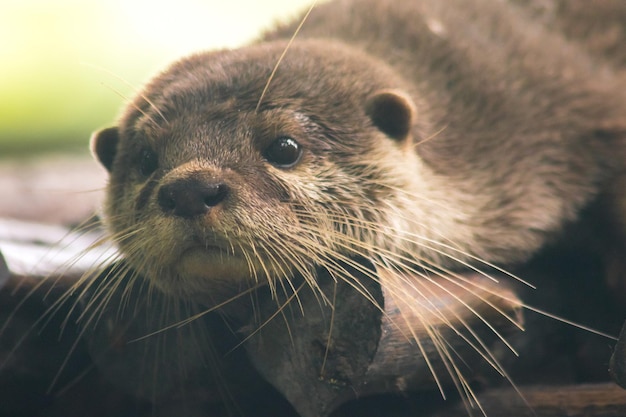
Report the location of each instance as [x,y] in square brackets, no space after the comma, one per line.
[67,66]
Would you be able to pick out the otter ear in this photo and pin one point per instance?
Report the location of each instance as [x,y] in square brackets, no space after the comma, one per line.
[392,111]
[103,145]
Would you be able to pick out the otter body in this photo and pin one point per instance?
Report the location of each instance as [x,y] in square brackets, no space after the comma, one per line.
[420,135]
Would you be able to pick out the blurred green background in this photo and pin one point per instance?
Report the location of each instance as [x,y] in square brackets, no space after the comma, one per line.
[67,66]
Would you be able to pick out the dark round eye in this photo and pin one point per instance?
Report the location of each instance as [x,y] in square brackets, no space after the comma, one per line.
[284,152]
[148,162]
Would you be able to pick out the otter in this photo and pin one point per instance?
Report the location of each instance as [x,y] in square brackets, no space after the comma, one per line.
[400,142]
[429,138]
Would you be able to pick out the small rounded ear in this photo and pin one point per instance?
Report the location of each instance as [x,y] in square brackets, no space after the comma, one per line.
[392,111]
[103,145]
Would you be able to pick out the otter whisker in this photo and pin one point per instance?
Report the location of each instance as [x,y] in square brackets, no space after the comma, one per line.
[329,260]
[300,266]
[569,322]
[444,317]
[331,327]
[196,316]
[282,56]
[465,304]
[279,310]
[60,270]
[128,100]
[126,82]
[407,237]
[447,360]
[252,270]
[432,136]
[97,312]
[283,273]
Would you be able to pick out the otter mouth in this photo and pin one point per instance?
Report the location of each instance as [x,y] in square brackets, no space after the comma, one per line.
[209,255]
[209,246]
[207,249]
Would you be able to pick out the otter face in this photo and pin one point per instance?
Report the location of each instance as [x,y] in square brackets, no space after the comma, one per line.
[211,191]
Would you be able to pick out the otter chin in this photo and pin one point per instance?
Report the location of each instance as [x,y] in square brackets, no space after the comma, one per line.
[202,264]
[198,266]
[396,146]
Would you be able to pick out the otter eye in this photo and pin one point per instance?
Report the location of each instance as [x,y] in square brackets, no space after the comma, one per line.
[284,152]
[148,162]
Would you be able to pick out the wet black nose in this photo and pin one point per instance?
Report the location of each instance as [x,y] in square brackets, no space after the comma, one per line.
[191,197]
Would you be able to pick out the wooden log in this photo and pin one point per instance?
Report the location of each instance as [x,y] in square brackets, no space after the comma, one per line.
[618,360]
[45,368]
[54,189]
[321,355]
[585,400]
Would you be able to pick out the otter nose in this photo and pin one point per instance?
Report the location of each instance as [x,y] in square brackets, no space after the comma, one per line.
[191,197]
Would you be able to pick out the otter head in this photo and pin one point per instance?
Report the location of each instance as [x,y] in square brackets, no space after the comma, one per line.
[214,188]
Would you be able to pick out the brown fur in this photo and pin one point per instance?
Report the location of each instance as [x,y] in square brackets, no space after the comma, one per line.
[511,131]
